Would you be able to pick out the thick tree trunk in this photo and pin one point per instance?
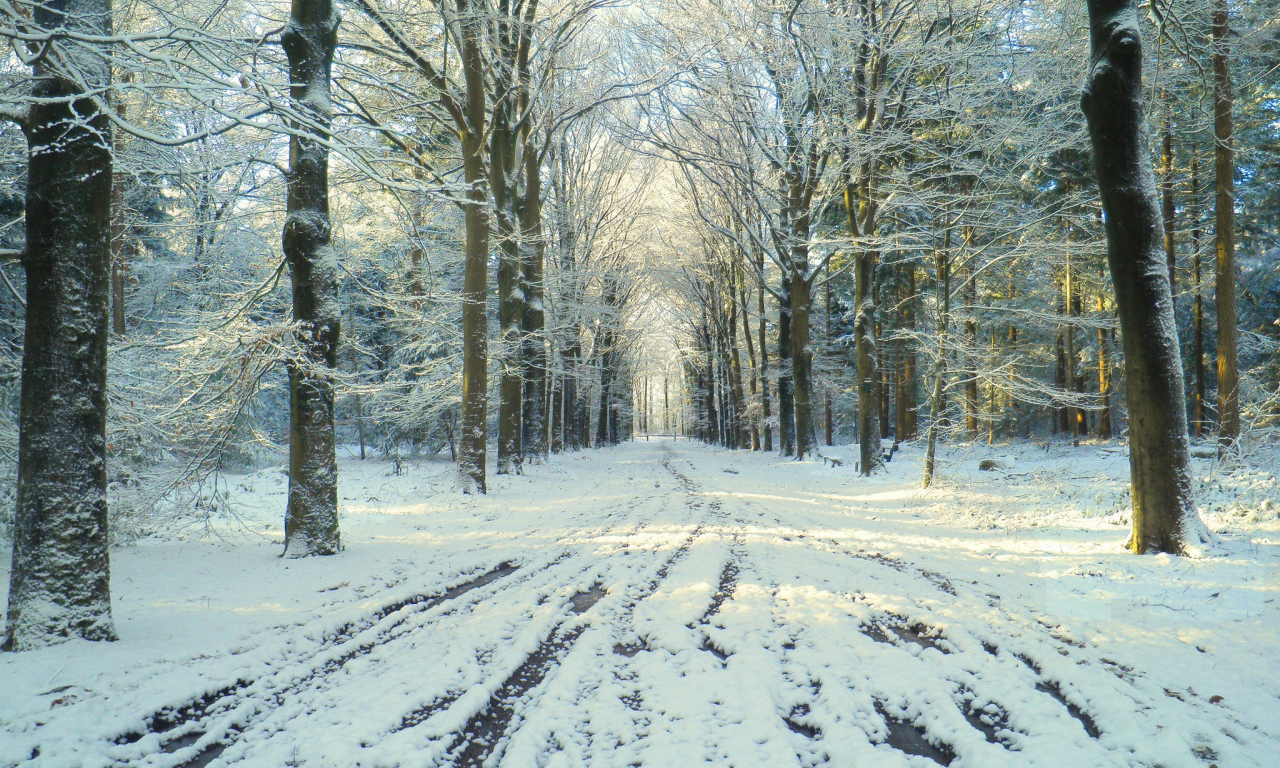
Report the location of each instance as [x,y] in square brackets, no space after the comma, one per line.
[1164,518]
[475,317]
[802,364]
[864,334]
[864,327]
[801,301]
[533,247]
[510,297]
[59,585]
[1224,205]
[311,525]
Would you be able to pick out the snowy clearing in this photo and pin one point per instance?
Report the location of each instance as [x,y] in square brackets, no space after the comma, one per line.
[668,604]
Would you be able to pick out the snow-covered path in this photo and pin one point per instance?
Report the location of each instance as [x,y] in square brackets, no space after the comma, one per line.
[665,604]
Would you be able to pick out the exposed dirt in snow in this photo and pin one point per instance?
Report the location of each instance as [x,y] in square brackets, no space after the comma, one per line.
[666,604]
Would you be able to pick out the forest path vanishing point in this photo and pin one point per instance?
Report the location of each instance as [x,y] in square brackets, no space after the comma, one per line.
[673,605]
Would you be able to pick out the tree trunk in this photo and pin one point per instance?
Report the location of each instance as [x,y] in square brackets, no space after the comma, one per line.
[907,395]
[1104,377]
[59,585]
[475,317]
[1164,518]
[970,346]
[118,265]
[864,341]
[1166,184]
[533,246]
[1062,414]
[311,526]
[742,434]
[801,301]
[1073,413]
[936,403]
[1197,349]
[802,363]
[765,414]
[1224,205]
[786,413]
[829,348]
[864,334]
[510,297]
[751,358]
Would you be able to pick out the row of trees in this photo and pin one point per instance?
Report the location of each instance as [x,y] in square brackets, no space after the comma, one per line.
[857,211]
[910,189]
[165,167]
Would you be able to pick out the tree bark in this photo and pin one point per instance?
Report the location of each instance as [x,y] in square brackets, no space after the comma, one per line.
[311,525]
[1104,377]
[475,317]
[767,444]
[533,248]
[1073,413]
[864,339]
[802,364]
[801,301]
[786,412]
[1167,209]
[828,349]
[970,346]
[59,585]
[119,266]
[751,359]
[907,395]
[510,297]
[1164,518]
[742,433]
[936,403]
[1197,349]
[864,334]
[1224,205]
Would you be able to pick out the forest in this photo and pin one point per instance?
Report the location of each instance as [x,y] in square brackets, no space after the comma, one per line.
[593,382]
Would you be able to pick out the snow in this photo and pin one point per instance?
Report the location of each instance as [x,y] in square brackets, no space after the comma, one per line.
[669,604]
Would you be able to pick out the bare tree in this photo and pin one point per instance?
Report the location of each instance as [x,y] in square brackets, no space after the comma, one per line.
[59,587]
[1164,519]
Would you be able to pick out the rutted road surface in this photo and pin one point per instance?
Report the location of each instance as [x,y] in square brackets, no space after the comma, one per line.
[697,607]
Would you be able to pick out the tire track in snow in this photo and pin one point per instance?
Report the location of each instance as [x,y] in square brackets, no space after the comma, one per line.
[922,634]
[982,712]
[260,698]
[896,630]
[1036,636]
[576,564]
[488,731]
[254,700]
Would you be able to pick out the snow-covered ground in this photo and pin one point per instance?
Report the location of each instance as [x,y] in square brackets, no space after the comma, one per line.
[665,604]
